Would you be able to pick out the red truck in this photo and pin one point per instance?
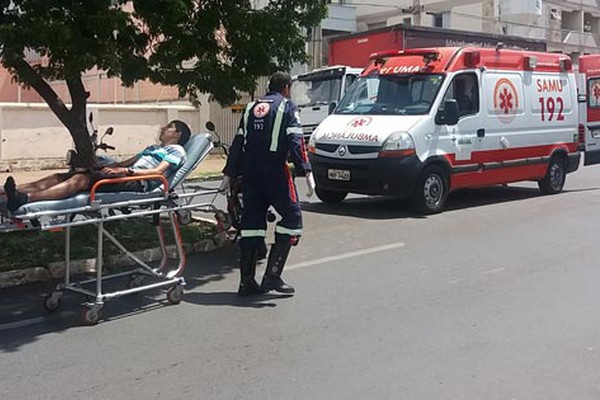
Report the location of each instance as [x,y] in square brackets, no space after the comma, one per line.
[354,49]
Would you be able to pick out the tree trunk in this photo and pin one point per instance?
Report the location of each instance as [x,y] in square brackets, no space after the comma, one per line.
[73,119]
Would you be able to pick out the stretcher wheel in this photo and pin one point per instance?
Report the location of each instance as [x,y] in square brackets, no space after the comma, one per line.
[184,217]
[91,315]
[52,302]
[175,294]
[225,219]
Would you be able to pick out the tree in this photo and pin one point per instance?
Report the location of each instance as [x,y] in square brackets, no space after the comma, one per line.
[218,47]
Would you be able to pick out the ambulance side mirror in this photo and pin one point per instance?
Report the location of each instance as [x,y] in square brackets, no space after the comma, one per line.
[332,107]
[582,98]
[449,114]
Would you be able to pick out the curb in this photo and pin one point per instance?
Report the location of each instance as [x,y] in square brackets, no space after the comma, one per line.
[56,270]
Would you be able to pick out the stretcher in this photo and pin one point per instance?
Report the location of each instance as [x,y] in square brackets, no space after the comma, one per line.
[171,198]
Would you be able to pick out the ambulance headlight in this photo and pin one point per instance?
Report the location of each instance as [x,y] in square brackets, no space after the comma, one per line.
[399,141]
[312,142]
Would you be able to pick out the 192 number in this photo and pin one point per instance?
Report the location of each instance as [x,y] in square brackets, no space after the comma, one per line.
[549,107]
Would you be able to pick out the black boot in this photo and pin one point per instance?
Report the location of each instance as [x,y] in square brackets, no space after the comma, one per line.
[277,258]
[248,286]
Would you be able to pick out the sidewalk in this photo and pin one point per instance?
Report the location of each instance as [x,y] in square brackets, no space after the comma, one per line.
[210,168]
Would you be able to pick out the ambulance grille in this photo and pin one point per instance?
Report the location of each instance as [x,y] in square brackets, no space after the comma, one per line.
[328,147]
[363,149]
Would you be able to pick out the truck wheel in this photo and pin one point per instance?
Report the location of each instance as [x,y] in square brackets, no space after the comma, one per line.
[554,181]
[431,191]
[330,197]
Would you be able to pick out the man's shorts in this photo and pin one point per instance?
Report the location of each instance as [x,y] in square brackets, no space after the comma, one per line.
[130,186]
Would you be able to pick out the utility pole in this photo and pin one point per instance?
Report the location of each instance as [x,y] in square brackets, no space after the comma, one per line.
[416,10]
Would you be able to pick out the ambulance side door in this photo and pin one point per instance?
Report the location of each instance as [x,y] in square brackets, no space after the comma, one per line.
[466,134]
[591,121]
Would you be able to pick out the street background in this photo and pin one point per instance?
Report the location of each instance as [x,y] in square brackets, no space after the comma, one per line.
[495,298]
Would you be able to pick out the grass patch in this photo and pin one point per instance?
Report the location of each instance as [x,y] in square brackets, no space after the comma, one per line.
[26,249]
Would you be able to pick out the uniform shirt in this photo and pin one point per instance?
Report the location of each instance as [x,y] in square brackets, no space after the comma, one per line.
[269,132]
[153,155]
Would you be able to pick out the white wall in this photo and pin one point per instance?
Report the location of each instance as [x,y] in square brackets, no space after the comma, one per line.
[32,137]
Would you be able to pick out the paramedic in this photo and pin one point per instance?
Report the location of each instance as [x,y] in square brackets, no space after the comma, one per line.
[269,130]
[163,159]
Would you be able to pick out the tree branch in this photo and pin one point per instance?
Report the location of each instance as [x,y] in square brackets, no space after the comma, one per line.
[79,97]
[28,75]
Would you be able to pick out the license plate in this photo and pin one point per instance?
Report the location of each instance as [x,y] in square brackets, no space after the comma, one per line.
[338,174]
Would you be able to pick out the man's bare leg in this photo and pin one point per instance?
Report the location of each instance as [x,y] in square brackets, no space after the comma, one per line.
[16,199]
[44,183]
[74,184]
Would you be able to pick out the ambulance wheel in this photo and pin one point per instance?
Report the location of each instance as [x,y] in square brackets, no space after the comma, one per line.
[329,196]
[554,181]
[431,191]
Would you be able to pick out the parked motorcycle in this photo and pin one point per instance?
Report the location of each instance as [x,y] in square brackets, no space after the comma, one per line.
[73,160]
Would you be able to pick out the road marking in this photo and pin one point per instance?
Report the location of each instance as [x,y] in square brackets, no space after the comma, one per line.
[344,256]
[21,324]
[31,321]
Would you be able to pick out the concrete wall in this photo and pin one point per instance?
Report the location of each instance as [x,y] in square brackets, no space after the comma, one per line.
[32,137]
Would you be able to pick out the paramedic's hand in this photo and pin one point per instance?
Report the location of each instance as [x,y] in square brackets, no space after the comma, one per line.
[310,183]
[225,184]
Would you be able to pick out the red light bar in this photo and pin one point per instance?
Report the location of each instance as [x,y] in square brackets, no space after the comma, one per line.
[430,54]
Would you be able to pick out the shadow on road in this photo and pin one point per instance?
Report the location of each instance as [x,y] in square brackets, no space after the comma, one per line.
[392,208]
[23,319]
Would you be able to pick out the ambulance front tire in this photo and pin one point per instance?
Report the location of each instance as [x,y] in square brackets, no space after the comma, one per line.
[330,196]
[554,181]
[431,191]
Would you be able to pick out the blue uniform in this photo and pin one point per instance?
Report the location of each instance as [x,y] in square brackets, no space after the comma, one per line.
[269,132]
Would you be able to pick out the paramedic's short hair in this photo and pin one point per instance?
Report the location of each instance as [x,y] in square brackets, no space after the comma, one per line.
[183,129]
[279,80]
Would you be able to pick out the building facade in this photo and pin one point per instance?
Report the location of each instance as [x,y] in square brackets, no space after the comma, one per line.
[567,26]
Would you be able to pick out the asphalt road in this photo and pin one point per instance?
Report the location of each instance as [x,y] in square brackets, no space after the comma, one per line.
[496,298]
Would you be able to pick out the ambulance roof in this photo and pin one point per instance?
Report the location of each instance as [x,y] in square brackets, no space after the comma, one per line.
[590,64]
[452,59]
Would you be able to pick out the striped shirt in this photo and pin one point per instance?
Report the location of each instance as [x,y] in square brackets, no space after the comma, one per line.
[152,156]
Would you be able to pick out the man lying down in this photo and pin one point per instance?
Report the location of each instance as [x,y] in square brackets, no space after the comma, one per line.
[163,159]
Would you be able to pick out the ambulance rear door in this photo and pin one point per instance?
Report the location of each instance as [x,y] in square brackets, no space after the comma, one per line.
[588,81]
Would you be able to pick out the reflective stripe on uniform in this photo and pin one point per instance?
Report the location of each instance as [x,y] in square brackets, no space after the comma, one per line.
[294,130]
[277,125]
[246,116]
[287,231]
[253,233]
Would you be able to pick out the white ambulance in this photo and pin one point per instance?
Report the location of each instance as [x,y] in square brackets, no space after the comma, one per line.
[420,123]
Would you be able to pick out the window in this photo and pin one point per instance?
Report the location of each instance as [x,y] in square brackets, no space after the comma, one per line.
[465,90]
[594,93]
[438,20]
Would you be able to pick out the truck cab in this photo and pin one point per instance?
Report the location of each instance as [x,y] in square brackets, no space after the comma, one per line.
[317,93]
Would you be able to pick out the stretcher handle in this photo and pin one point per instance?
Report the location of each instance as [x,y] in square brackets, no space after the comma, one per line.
[127,179]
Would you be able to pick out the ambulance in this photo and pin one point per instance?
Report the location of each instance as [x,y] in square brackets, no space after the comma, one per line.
[589,110]
[421,123]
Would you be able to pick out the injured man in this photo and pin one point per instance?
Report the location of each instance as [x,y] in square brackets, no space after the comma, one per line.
[163,159]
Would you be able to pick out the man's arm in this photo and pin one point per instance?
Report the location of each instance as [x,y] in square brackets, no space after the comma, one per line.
[233,167]
[159,170]
[295,139]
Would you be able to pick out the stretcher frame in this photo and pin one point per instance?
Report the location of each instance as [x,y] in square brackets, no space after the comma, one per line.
[175,205]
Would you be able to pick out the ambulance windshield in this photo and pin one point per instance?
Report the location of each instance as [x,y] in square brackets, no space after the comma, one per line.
[407,94]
